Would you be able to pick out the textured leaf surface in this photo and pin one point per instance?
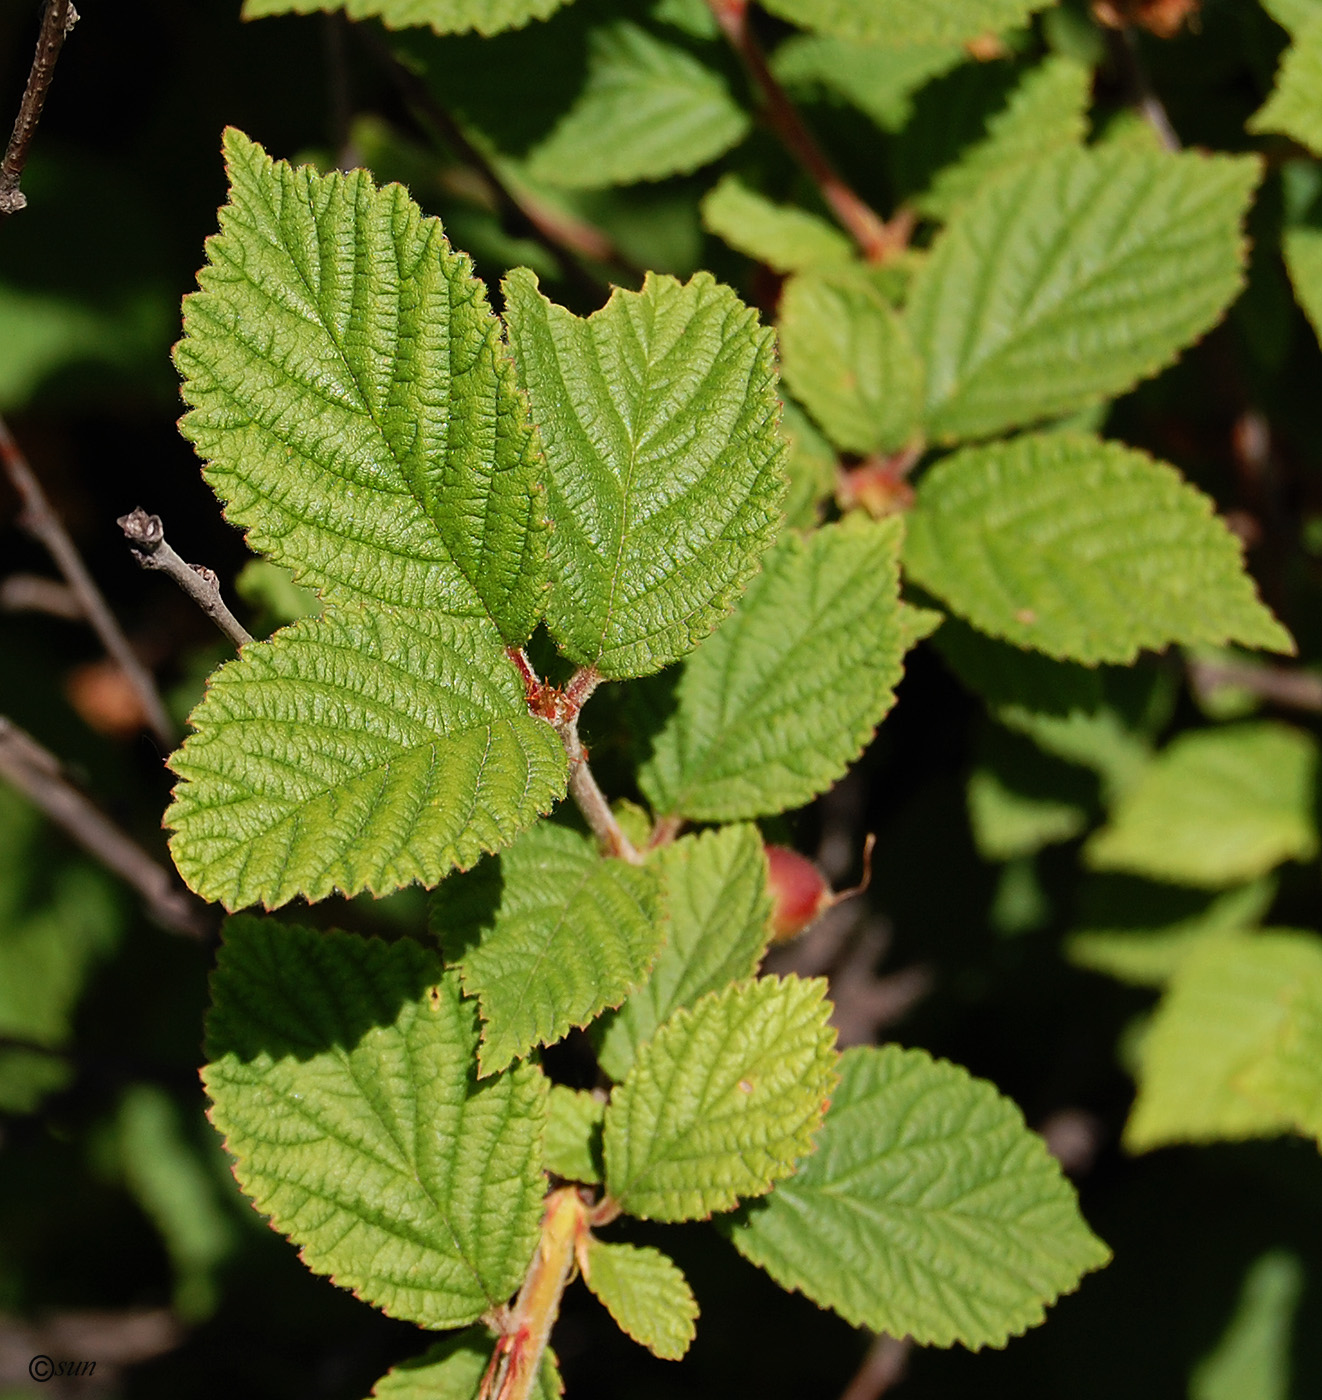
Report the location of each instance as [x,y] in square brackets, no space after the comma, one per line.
[342,1076]
[1251,1361]
[646,1294]
[787,693]
[1295,105]
[444,16]
[846,356]
[1289,1078]
[453,1370]
[720,911]
[1082,549]
[1070,280]
[1303,260]
[1221,1016]
[901,22]
[1217,806]
[785,238]
[352,396]
[547,935]
[648,109]
[928,1209]
[658,415]
[573,1135]
[361,750]
[722,1101]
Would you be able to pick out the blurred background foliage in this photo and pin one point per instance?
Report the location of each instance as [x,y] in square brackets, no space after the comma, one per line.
[989,934]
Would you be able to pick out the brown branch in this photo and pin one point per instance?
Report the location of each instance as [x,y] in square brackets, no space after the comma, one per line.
[37,774]
[59,19]
[146,536]
[40,521]
[1298,690]
[877,239]
[883,1367]
[32,593]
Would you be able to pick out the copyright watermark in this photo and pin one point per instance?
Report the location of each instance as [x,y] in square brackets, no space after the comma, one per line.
[42,1368]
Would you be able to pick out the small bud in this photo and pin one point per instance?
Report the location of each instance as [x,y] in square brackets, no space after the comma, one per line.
[800,893]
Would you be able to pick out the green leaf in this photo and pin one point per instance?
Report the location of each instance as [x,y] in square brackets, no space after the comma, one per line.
[720,912]
[1295,106]
[573,1135]
[1216,807]
[444,16]
[1292,14]
[1303,261]
[358,751]
[788,692]
[846,356]
[351,393]
[1220,1017]
[1289,1078]
[1069,280]
[811,466]
[902,22]
[645,1293]
[453,1370]
[783,237]
[658,415]
[1251,1361]
[648,109]
[722,1101]
[547,936]
[1021,800]
[928,1209]
[342,1076]
[1082,549]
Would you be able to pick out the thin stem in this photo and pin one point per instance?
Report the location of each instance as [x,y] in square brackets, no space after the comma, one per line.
[37,774]
[1298,690]
[883,1367]
[59,19]
[876,238]
[146,536]
[32,593]
[1124,50]
[40,521]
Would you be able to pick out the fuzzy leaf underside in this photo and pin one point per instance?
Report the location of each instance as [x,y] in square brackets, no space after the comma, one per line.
[719,922]
[648,110]
[658,414]
[350,392]
[928,1209]
[722,1101]
[646,1294]
[572,1149]
[443,16]
[361,750]
[564,934]
[847,358]
[785,238]
[1082,549]
[342,1076]
[1295,105]
[903,22]
[1071,279]
[453,1370]
[1215,807]
[787,693]
[1219,1024]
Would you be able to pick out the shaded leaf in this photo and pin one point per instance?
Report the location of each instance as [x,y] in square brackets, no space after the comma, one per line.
[782,236]
[444,16]
[902,22]
[1303,261]
[1251,1361]
[573,1135]
[1295,105]
[453,1370]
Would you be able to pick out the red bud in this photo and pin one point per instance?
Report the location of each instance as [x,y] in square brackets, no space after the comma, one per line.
[799,892]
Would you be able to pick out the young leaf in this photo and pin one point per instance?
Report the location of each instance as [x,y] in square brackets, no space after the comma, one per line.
[1071,279]
[1289,1077]
[356,751]
[1222,1015]
[1295,105]
[1082,549]
[573,1135]
[645,1293]
[352,396]
[1216,807]
[786,694]
[903,22]
[1251,1361]
[648,109]
[547,937]
[658,415]
[716,895]
[453,1370]
[928,1209]
[444,16]
[1303,261]
[783,237]
[722,1101]
[341,1072]
[846,356]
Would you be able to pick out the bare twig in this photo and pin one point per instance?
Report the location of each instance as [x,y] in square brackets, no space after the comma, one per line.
[883,1367]
[40,521]
[876,238]
[33,593]
[146,536]
[1298,690]
[59,19]
[37,774]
